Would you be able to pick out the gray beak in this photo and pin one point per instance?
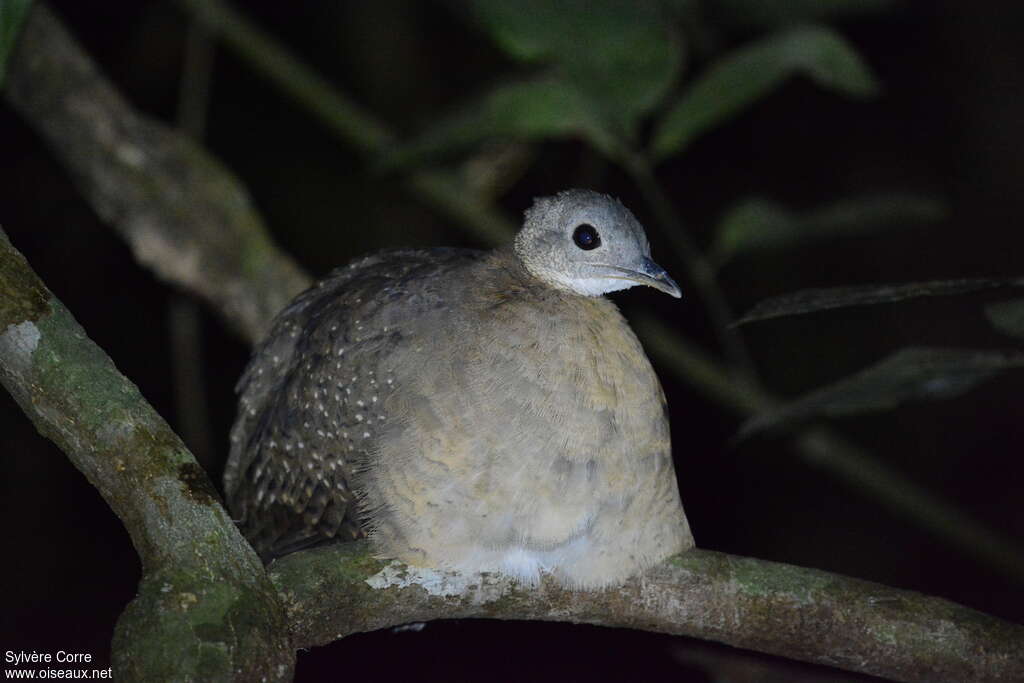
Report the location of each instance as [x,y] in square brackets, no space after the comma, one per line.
[655,276]
[651,274]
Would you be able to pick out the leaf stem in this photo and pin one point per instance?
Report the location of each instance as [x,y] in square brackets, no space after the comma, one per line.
[184,320]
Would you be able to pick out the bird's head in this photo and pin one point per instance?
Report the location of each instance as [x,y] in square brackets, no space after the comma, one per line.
[588,243]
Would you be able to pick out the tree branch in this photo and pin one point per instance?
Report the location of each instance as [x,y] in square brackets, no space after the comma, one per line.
[184,215]
[345,119]
[824,449]
[205,608]
[803,614]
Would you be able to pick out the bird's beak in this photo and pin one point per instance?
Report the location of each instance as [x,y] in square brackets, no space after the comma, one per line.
[651,274]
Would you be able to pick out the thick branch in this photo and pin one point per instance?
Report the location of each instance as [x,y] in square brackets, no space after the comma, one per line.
[205,608]
[798,613]
[184,215]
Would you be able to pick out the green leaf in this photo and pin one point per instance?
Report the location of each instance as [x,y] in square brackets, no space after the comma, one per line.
[761,14]
[12,16]
[623,56]
[757,223]
[816,300]
[749,73]
[520,110]
[754,223]
[1007,317]
[911,374]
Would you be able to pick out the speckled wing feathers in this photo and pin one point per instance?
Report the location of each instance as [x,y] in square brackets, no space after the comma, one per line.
[312,394]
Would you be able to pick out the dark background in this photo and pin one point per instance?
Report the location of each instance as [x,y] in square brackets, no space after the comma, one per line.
[950,123]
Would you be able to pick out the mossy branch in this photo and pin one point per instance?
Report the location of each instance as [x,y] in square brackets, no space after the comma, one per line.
[205,609]
[803,614]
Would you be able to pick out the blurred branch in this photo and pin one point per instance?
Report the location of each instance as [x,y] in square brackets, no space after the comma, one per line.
[191,409]
[495,168]
[248,294]
[187,360]
[196,73]
[205,609]
[184,215]
[343,117]
[698,369]
[802,614]
[824,449]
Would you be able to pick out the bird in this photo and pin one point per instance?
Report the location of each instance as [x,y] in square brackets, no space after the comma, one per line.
[464,410]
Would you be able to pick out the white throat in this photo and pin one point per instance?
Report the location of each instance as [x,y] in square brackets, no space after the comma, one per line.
[590,286]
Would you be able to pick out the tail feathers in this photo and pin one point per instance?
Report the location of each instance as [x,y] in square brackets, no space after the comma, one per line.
[278,531]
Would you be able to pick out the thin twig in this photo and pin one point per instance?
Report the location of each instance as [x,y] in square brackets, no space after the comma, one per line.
[183,316]
[344,118]
[196,74]
[825,450]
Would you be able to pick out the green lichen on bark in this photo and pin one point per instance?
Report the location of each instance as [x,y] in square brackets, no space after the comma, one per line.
[759,579]
[800,613]
[19,303]
[184,627]
[206,610]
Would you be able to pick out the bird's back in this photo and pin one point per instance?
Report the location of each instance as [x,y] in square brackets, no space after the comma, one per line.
[310,399]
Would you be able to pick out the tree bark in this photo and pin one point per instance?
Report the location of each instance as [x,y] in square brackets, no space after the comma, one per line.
[804,614]
[206,609]
[185,216]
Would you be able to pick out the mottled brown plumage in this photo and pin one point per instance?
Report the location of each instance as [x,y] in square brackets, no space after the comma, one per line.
[468,410]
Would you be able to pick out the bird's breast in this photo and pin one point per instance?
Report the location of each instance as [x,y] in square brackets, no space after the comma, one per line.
[548,418]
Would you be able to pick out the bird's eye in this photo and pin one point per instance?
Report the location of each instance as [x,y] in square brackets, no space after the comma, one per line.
[585,236]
